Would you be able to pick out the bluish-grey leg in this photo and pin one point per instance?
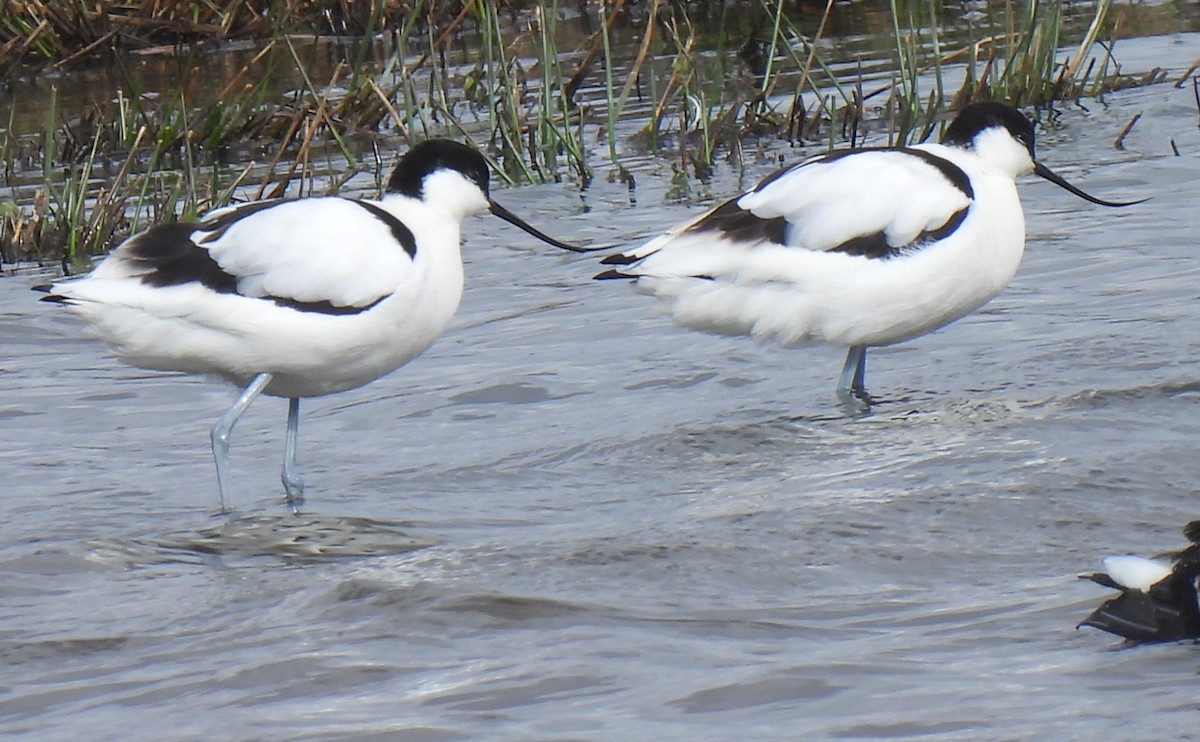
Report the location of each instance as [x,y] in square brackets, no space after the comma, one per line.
[851,389]
[224,427]
[293,484]
[860,374]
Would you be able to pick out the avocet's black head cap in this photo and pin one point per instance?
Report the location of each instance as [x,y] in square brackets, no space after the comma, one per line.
[432,155]
[979,117]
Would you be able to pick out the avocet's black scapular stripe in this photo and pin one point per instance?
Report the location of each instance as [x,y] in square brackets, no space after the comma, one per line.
[740,225]
[876,245]
[321,307]
[218,225]
[952,172]
[402,233]
[173,259]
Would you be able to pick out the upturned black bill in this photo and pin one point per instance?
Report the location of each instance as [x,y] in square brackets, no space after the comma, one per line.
[1050,175]
[517,221]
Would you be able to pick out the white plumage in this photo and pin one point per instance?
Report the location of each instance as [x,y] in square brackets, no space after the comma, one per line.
[857,248]
[1135,572]
[294,298]
[283,252]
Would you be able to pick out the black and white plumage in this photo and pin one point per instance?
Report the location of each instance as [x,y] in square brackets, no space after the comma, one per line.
[295,297]
[860,248]
[1158,600]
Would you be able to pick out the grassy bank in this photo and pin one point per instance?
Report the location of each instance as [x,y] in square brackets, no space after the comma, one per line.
[535,86]
[65,32]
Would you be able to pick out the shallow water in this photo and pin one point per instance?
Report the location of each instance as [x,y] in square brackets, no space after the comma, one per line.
[571,520]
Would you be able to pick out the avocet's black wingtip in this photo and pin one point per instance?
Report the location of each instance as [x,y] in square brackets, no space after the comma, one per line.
[1100,578]
[619,259]
[609,275]
[48,289]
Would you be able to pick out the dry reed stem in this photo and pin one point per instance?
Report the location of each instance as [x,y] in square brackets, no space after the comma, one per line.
[390,108]
[597,46]
[245,70]
[1188,73]
[643,50]
[440,40]
[1119,143]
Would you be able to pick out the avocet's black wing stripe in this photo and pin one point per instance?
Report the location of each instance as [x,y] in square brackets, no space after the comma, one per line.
[876,245]
[321,307]
[173,259]
[284,253]
[735,223]
[402,233]
[953,172]
[217,225]
[728,221]
[873,203]
[263,260]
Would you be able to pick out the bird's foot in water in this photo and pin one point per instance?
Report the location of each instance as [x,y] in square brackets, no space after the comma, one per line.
[855,401]
[294,501]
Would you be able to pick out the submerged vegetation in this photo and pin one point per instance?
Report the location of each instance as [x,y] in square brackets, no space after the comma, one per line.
[547,91]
